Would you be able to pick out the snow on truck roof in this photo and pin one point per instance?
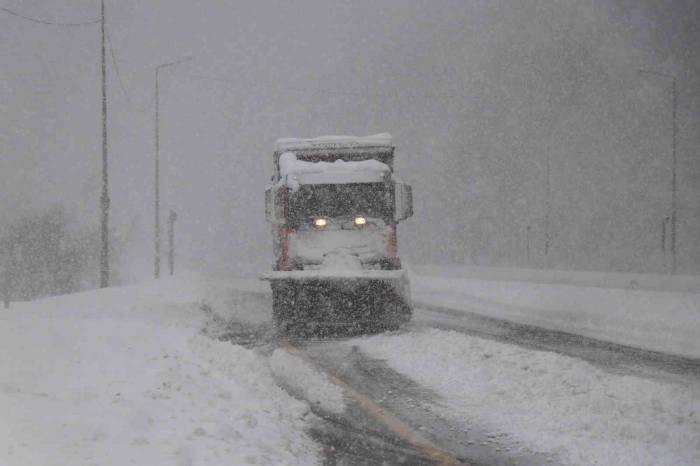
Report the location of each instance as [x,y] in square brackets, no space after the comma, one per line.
[294,172]
[330,142]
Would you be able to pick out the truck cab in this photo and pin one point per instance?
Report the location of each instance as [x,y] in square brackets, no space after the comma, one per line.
[334,205]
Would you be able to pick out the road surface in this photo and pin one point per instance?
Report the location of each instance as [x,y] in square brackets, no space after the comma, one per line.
[391,419]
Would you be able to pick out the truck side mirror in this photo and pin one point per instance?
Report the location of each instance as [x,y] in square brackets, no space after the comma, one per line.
[275,200]
[403,196]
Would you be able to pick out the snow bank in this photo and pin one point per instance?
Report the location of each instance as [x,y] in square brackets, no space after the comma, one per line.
[550,403]
[667,322]
[123,376]
[642,281]
[247,301]
[303,379]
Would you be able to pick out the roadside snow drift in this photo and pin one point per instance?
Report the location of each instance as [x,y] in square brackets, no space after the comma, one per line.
[550,403]
[663,321]
[124,376]
[303,379]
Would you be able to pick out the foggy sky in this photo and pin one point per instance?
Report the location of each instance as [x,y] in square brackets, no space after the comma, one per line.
[475,93]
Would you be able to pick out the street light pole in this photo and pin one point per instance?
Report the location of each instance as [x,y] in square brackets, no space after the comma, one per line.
[674,167]
[104,198]
[156,257]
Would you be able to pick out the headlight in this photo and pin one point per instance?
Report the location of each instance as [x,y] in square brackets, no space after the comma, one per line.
[360,221]
[320,222]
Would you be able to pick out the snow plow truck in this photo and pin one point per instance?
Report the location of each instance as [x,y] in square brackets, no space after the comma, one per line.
[334,205]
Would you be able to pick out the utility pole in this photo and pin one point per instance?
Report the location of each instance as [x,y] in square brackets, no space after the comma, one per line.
[548,206]
[104,198]
[171,241]
[156,239]
[674,185]
[674,166]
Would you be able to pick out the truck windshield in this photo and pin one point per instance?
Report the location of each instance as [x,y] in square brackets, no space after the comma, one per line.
[339,200]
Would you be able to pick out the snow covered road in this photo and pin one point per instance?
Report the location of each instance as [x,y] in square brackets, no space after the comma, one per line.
[546,402]
[488,402]
[653,312]
[504,398]
[622,359]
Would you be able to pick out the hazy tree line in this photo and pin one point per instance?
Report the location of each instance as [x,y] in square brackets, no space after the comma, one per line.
[41,255]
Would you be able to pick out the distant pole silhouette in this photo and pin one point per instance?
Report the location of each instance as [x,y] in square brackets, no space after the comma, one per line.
[548,206]
[156,233]
[674,166]
[528,229]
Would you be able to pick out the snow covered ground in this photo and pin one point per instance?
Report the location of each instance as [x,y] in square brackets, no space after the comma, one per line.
[628,309]
[544,402]
[124,376]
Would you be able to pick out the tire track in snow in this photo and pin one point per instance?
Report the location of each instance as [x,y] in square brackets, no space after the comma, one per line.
[611,356]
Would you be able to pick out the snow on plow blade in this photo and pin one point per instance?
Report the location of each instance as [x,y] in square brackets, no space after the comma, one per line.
[339,302]
[340,275]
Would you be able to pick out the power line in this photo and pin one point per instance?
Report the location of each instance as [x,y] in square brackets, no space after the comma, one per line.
[104,198]
[85,23]
[50,23]
[116,67]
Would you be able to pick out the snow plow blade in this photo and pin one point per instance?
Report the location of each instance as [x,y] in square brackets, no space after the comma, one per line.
[324,303]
